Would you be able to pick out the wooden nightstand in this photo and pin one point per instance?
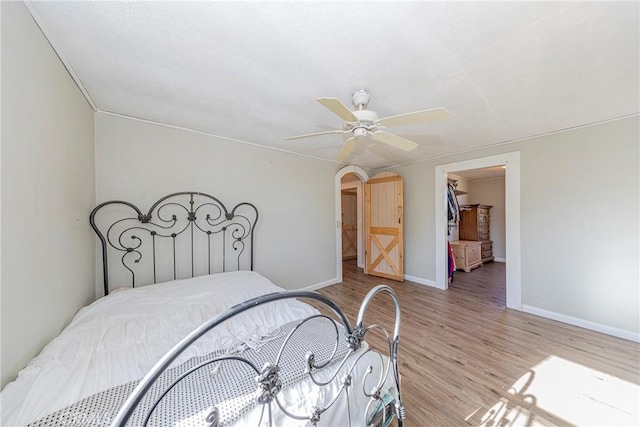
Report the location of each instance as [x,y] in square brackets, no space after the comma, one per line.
[467,254]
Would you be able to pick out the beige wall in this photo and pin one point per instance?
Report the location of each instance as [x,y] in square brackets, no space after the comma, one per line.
[47,192]
[295,237]
[579,221]
[490,192]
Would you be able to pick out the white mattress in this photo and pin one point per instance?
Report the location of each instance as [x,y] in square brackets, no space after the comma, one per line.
[119,337]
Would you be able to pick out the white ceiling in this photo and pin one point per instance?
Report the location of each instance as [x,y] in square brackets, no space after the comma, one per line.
[484,173]
[251,71]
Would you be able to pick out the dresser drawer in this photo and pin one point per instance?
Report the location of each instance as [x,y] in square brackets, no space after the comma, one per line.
[487,251]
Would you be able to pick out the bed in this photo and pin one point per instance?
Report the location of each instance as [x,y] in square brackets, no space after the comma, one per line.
[211,342]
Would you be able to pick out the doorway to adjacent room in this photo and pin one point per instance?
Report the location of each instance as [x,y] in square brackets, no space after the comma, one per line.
[376,234]
[511,163]
[476,234]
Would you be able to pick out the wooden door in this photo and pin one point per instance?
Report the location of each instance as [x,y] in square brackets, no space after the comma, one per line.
[384,255]
[349,224]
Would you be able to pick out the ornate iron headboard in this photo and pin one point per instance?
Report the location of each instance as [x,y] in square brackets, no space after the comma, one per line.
[214,238]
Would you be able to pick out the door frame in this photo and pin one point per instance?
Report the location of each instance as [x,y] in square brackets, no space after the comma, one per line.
[511,162]
[364,177]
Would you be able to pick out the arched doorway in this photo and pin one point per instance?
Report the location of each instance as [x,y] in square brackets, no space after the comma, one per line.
[363,177]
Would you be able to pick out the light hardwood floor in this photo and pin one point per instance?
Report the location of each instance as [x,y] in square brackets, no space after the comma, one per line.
[465,359]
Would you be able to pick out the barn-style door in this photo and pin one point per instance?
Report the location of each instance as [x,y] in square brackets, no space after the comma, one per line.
[383,221]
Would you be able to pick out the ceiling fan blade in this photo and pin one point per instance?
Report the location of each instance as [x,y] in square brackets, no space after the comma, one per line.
[338,108]
[394,140]
[431,115]
[347,148]
[315,134]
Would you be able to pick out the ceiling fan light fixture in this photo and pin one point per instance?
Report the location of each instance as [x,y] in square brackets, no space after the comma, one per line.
[359,133]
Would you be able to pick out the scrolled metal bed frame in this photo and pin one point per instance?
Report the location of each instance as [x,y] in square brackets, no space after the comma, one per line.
[186,215]
[267,377]
[189,215]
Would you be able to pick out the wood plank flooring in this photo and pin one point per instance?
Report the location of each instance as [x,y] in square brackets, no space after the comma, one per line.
[465,359]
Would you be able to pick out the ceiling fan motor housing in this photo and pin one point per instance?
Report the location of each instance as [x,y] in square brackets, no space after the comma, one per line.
[366,117]
[366,123]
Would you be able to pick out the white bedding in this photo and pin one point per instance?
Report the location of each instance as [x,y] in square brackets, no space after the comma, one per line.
[119,337]
[301,397]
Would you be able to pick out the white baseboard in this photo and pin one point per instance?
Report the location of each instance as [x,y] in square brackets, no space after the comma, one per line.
[321,285]
[333,281]
[616,332]
[500,260]
[420,281]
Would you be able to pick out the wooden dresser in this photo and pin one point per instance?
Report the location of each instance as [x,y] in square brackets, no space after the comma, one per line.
[474,225]
[466,254]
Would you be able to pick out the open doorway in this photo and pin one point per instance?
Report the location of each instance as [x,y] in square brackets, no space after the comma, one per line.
[511,163]
[476,234]
[350,179]
[351,218]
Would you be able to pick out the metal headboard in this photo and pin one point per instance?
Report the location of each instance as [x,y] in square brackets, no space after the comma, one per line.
[202,236]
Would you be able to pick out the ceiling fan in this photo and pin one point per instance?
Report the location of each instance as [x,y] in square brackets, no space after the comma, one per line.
[362,122]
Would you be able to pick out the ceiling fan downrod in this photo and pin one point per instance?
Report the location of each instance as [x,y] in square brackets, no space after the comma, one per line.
[360,99]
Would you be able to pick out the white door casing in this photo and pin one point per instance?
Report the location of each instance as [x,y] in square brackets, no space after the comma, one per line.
[511,161]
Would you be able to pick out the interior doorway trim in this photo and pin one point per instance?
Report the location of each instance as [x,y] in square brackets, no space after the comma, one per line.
[511,162]
[364,177]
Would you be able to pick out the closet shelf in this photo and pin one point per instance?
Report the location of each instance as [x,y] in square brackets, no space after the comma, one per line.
[455,187]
